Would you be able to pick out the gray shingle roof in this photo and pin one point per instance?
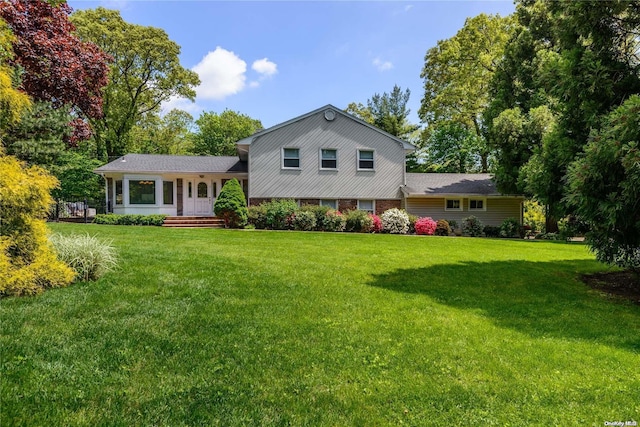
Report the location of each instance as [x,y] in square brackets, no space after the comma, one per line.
[166,163]
[427,184]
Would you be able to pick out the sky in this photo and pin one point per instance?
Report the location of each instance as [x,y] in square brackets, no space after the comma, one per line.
[275,60]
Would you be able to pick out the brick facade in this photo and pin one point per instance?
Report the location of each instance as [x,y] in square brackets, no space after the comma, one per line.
[347,205]
[311,202]
[383,205]
[257,201]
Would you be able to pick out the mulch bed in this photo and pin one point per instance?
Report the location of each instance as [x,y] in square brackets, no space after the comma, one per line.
[620,283]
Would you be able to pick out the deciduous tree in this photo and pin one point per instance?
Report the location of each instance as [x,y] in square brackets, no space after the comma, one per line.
[218,133]
[170,134]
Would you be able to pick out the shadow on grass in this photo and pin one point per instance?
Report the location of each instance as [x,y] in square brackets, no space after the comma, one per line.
[541,299]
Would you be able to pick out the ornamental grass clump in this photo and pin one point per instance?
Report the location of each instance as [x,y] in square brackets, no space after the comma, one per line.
[87,255]
[395,221]
[426,226]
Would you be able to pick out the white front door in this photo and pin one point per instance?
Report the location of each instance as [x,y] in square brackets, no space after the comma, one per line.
[204,202]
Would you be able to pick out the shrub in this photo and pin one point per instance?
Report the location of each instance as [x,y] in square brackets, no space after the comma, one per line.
[442,228]
[510,228]
[491,231]
[87,255]
[280,213]
[304,221]
[28,263]
[376,223]
[129,219]
[453,224]
[472,226]
[426,226]
[257,216]
[534,215]
[320,212]
[395,221]
[358,221]
[412,223]
[333,221]
[231,205]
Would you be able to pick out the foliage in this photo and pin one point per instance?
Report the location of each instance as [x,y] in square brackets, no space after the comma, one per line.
[231,205]
[280,213]
[358,221]
[511,227]
[58,67]
[218,133]
[457,73]
[333,221]
[395,221]
[169,134]
[450,147]
[412,223]
[87,255]
[442,228]
[28,264]
[604,187]
[13,101]
[145,72]
[257,216]
[452,223]
[320,212]
[491,231]
[376,223]
[426,226]
[534,215]
[304,221]
[129,219]
[77,180]
[472,226]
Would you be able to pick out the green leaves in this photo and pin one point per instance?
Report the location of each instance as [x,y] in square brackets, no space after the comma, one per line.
[218,133]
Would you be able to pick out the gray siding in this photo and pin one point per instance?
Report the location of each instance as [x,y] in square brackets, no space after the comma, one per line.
[498,209]
[269,180]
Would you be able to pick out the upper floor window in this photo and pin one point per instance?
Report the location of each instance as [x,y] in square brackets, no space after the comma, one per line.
[365,159]
[477,204]
[328,158]
[453,204]
[291,158]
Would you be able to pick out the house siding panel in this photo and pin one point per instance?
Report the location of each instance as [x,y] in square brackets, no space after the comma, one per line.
[498,209]
[269,180]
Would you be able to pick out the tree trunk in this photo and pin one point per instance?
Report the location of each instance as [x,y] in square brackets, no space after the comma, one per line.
[551,223]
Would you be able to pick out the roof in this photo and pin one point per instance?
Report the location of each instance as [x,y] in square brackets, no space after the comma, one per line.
[179,164]
[445,184]
[250,139]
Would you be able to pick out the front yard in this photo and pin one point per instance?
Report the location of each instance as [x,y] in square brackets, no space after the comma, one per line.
[218,327]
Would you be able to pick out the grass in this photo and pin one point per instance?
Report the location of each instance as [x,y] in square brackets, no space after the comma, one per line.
[218,327]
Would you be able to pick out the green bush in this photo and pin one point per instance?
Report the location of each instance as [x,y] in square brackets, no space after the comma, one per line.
[452,223]
[231,205]
[129,219]
[304,221]
[280,213]
[510,228]
[358,221]
[491,231]
[442,228]
[257,216]
[412,223]
[88,256]
[320,212]
[472,226]
[333,221]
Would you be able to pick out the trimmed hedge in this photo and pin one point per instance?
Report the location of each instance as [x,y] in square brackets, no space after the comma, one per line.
[129,219]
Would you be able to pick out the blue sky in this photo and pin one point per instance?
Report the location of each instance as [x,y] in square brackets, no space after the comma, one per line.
[277,60]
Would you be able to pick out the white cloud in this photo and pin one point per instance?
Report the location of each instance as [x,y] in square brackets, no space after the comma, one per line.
[382,65]
[222,73]
[183,104]
[254,84]
[265,67]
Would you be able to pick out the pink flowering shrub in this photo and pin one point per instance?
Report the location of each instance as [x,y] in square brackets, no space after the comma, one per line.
[426,226]
[376,223]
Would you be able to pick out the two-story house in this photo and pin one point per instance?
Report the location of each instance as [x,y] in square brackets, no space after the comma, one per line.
[323,157]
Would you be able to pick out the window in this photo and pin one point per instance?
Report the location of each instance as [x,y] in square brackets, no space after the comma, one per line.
[291,158]
[142,192]
[119,199]
[366,205]
[453,205]
[333,204]
[167,192]
[328,158]
[202,190]
[477,205]
[365,159]
[190,190]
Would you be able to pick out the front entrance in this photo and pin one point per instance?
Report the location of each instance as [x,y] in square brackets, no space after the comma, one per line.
[199,198]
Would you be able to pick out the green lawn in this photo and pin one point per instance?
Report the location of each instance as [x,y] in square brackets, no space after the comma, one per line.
[218,327]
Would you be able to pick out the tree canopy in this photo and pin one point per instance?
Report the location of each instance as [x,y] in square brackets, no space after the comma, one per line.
[145,71]
[218,133]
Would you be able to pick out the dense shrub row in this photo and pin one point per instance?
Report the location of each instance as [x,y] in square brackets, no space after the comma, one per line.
[130,219]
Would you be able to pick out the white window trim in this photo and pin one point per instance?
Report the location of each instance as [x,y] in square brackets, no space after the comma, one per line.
[453,209]
[358,160]
[320,159]
[335,201]
[282,158]
[484,204]
[373,204]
